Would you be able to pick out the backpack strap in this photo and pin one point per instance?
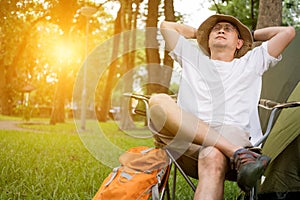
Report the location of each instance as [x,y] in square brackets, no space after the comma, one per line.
[113,175]
[126,175]
[155,190]
[147,150]
[155,193]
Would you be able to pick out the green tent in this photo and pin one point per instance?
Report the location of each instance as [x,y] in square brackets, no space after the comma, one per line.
[282,84]
[281,80]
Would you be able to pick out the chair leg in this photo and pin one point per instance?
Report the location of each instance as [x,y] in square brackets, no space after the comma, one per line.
[177,166]
[174,182]
[168,191]
[252,195]
[165,190]
[254,191]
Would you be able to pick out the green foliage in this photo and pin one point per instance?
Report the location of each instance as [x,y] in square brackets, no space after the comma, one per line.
[174,87]
[244,10]
[247,11]
[36,40]
[291,13]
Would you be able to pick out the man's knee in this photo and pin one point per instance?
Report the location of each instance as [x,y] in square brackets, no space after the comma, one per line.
[159,99]
[212,159]
[158,105]
[158,114]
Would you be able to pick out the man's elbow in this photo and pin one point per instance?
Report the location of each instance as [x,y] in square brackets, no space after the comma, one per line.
[163,24]
[290,32]
[166,25]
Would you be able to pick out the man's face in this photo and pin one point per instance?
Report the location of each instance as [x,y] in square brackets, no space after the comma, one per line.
[224,35]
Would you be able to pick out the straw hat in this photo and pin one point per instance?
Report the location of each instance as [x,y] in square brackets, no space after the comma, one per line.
[205,28]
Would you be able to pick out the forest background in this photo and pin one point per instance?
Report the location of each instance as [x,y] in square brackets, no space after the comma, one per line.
[46,45]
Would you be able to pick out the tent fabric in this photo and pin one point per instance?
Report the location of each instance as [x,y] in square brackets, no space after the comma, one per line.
[283,175]
[280,81]
[279,196]
[286,128]
[283,146]
[282,84]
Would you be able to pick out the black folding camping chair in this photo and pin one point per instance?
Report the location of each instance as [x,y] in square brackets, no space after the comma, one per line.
[143,109]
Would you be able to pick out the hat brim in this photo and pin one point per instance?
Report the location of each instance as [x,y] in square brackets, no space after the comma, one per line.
[205,29]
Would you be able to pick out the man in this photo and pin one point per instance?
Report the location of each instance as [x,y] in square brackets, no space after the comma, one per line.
[217,101]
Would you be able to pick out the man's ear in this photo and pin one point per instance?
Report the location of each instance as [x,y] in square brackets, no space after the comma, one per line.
[240,43]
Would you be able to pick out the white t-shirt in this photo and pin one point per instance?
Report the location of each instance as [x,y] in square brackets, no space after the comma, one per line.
[221,92]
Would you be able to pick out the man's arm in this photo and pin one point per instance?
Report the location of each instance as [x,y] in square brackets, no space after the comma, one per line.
[279,38]
[172,30]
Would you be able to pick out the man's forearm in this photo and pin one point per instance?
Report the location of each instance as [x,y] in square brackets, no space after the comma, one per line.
[172,30]
[265,34]
[183,29]
[279,37]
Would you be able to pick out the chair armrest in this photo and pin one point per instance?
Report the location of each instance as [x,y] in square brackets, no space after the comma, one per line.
[270,105]
[143,96]
[137,96]
[142,108]
[274,107]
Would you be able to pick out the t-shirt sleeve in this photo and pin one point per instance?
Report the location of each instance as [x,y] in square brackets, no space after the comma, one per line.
[262,59]
[185,51]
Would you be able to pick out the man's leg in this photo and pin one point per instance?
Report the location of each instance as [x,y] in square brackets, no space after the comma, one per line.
[212,167]
[165,113]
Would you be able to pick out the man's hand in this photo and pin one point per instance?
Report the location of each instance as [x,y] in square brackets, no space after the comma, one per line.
[279,38]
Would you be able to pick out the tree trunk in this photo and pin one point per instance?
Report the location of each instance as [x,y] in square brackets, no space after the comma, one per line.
[158,77]
[58,109]
[105,105]
[168,61]
[126,122]
[8,73]
[4,109]
[270,13]
[152,54]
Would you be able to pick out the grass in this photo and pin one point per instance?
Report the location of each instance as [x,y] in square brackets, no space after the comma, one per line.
[46,166]
[54,162]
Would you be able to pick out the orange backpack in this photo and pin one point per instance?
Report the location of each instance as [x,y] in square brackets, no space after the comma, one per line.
[142,172]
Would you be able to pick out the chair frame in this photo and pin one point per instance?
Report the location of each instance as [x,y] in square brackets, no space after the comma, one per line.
[273,106]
